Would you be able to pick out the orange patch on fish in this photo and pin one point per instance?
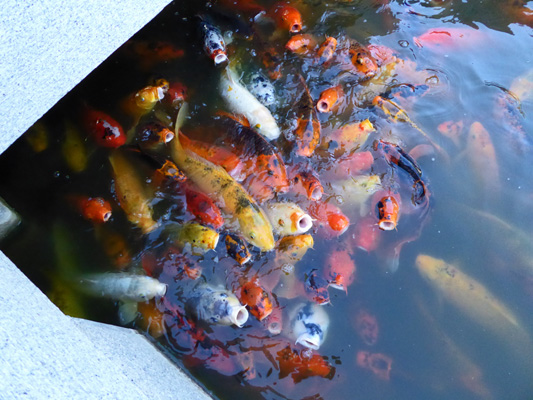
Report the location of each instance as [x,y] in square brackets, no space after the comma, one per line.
[329,98]
[302,367]
[340,269]
[388,212]
[256,298]
[301,43]
[287,17]
[327,49]
[448,38]
[94,209]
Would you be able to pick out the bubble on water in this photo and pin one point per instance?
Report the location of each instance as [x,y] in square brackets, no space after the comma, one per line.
[403,43]
[57,174]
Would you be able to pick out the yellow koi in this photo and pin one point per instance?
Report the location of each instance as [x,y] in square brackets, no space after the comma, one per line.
[228,193]
[73,149]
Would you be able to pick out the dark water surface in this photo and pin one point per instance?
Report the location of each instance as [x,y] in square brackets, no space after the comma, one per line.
[477,67]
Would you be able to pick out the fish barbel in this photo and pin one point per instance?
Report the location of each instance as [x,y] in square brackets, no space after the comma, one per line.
[241,101]
[469,296]
[230,195]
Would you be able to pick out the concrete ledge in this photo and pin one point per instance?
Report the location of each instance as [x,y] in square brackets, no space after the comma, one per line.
[47,48]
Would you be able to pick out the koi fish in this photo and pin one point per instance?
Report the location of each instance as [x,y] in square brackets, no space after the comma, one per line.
[114,245]
[300,368]
[142,102]
[482,156]
[309,325]
[380,364]
[175,95]
[104,130]
[301,43]
[256,298]
[366,234]
[154,135]
[237,249]
[351,165]
[394,154]
[366,326]
[94,209]
[330,215]
[73,149]
[452,130]
[353,136]
[241,101]
[470,297]
[288,218]
[249,7]
[130,193]
[37,137]
[151,53]
[340,268]
[262,89]
[214,45]
[216,155]
[216,306]
[329,98]
[122,286]
[327,49]
[308,182]
[274,323]
[316,287]
[203,207]
[356,191]
[362,60]
[200,238]
[388,211]
[287,17]
[224,190]
[151,319]
[307,132]
[259,158]
[291,249]
[448,38]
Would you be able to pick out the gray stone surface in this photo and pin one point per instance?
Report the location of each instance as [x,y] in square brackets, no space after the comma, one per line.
[48,47]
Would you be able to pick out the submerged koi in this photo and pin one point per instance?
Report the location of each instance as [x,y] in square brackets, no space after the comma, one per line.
[327,49]
[37,137]
[224,190]
[73,148]
[122,286]
[307,132]
[300,367]
[340,269]
[130,193]
[366,234]
[378,363]
[316,287]
[151,53]
[366,326]
[309,324]
[330,215]
[115,246]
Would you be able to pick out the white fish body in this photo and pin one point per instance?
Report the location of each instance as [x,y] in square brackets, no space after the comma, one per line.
[123,286]
[308,325]
[241,101]
[216,306]
[262,89]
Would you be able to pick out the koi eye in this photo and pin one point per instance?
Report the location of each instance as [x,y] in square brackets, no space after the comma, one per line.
[252,235]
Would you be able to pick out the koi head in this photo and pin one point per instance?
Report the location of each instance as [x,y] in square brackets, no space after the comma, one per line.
[257,299]
[364,63]
[388,211]
[255,227]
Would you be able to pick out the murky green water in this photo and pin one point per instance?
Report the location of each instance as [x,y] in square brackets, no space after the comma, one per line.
[478,218]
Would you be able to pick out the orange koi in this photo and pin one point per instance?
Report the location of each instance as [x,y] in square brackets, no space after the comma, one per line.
[274,323]
[327,49]
[482,156]
[153,135]
[151,53]
[378,363]
[306,181]
[176,94]
[37,137]
[351,165]
[301,44]
[217,155]
[421,150]
[388,211]
[171,171]
[340,269]
[237,249]
[287,17]
[353,136]
[366,326]
[115,246]
[452,130]
[256,298]
[366,234]
[248,7]
[142,102]
[300,367]
[203,208]
[94,209]
[307,132]
[330,215]
[104,130]
[152,319]
[362,60]
[448,38]
[329,98]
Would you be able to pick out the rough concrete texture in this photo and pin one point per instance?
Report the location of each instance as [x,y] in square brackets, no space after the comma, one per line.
[47,48]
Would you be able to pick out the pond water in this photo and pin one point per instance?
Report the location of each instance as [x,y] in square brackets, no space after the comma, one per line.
[456,79]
